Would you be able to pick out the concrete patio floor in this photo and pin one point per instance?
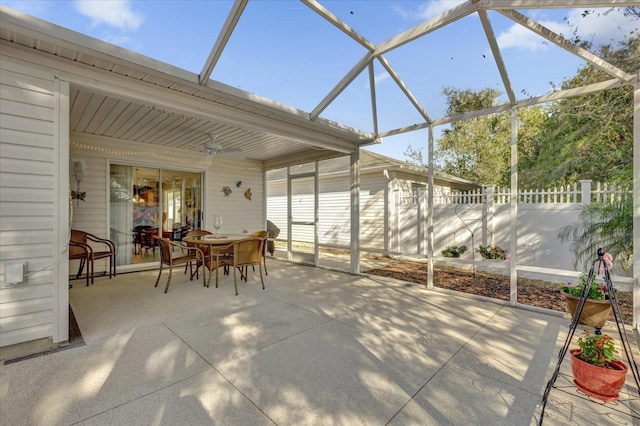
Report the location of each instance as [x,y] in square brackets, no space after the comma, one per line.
[317,347]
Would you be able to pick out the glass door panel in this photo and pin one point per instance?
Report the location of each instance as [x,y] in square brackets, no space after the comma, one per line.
[145,202]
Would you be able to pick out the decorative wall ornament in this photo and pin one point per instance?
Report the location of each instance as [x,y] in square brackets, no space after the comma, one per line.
[226,190]
[78,173]
[247,194]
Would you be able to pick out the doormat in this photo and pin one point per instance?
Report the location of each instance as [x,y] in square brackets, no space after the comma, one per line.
[75,340]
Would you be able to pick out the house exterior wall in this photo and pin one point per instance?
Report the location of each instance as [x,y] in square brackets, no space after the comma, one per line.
[32,156]
[35,148]
[239,214]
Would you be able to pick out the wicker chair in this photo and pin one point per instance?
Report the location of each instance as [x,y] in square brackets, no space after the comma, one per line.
[193,254]
[217,259]
[203,248]
[82,247]
[264,235]
[247,252]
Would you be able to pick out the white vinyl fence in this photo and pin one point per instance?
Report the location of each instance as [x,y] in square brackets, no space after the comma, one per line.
[483,217]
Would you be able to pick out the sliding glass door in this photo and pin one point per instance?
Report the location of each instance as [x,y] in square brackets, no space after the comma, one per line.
[146,202]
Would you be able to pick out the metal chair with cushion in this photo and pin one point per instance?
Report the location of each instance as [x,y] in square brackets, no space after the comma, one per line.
[193,254]
[83,247]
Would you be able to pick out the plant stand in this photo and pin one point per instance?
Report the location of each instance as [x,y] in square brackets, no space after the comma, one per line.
[617,314]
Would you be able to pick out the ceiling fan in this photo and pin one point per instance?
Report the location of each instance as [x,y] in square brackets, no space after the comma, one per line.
[212,148]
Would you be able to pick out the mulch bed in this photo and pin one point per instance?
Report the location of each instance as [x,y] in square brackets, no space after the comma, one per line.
[538,293]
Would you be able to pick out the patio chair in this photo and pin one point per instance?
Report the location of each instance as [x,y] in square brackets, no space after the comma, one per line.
[137,237]
[81,248]
[217,259]
[148,241]
[204,248]
[193,254]
[247,252]
[264,235]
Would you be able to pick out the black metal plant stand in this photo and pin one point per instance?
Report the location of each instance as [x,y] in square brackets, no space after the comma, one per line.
[617,314]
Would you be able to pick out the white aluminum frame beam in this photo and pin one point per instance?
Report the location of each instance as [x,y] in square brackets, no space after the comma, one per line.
[343,84]
[551,4]
[552,96]
[566,44]
[497,56]
[404,88]
[427,27]
[221,41]
[338,23]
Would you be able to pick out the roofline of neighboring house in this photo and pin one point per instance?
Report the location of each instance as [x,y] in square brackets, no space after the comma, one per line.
[393,164]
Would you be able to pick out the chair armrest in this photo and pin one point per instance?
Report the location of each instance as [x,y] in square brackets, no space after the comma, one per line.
[82,249]
[107,242]
[84,246]
[199,253]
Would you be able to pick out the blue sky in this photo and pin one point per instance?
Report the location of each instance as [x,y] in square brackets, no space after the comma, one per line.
[283,51]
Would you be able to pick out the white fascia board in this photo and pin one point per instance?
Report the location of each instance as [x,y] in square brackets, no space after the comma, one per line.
[47,32]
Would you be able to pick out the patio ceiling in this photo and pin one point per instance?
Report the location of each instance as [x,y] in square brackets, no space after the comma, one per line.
[264,130]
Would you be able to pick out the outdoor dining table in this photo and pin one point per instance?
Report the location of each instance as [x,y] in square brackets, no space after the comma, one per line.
[214,240]
[208,242]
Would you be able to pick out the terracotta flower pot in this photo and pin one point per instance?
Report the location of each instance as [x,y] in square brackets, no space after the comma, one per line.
[598,382]
[595,312]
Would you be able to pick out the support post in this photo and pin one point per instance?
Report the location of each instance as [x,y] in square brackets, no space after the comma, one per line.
[430,211]
[354,263]
[513,216]
[585,191]
[636,201]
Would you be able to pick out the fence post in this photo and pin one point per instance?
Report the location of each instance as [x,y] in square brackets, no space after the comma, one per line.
[585,189]
[487,213]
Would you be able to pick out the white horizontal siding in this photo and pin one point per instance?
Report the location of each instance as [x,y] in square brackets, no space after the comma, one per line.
[334,211]
[239,213]
[27,204]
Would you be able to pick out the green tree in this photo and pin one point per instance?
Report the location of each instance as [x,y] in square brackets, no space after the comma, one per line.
[586,137]
[479,149]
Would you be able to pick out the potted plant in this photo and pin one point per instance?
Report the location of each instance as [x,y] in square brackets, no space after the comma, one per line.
[489,252]
[595,370]
[454,251]
[597,308]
